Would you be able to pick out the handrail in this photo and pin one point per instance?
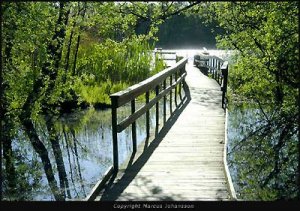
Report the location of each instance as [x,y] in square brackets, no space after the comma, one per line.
[218,68]
[224,71]
[155,82]
[162,53]
[214,65]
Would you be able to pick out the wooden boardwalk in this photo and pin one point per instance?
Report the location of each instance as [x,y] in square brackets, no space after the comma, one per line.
[186,161]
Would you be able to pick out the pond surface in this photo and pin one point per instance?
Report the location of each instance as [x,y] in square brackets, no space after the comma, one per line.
[86,145]
[259,169]
[85,139]
[238,121]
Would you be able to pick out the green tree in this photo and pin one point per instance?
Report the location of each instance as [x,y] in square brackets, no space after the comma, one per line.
[265,72]
[53,53]
[19,71]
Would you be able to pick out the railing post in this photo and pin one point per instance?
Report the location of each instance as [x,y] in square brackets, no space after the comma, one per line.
[147,117]
[133,127]
[212,68]
[215,69]
[175,90]
[114,133]
[165,102]
[171,81]
[157,111]
[180,84]
[130,95]
[219,75]
[224,70]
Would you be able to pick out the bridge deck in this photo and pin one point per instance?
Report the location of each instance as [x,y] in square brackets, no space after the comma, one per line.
[186,160]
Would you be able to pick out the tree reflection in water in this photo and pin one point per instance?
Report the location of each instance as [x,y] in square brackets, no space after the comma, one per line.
[263,154]
[79,146]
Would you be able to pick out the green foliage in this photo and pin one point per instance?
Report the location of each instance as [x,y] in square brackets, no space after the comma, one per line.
[88,90]
[109,53]
[263,71]
[112,66]
[57,55]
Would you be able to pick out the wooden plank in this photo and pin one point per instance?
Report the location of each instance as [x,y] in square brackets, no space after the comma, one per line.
[189,191]
[187,162]
[210,163]
[182,167]
[171,198]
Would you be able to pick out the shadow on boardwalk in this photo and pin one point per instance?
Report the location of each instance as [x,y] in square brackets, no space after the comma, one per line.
[115,187]
[184,162]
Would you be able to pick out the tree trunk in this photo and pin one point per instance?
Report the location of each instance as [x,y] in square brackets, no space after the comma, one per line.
[76,53]
[78,42]
[55,52]
[68,53]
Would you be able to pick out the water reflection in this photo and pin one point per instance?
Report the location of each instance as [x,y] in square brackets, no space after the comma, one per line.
[85,142]
[262,163]
[238,121]
[86,146]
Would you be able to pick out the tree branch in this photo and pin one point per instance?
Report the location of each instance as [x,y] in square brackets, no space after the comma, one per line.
[165,16]
[145,18]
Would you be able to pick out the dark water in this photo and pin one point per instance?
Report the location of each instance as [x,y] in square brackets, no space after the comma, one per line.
[86,145]
[251,159]
[85,142]
[238,121]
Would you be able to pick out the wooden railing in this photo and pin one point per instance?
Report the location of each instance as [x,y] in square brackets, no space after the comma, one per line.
[218,69]
[158,83]
[170,53]
[224,72]
[165,55]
